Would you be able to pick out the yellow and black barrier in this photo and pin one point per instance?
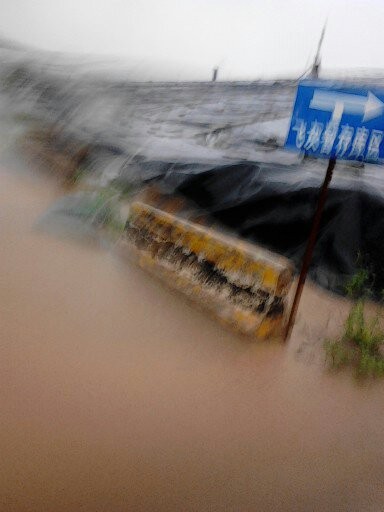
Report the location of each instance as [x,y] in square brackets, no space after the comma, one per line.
[243,285]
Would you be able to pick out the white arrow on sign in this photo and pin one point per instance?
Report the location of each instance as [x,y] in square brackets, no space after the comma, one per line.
[336,102]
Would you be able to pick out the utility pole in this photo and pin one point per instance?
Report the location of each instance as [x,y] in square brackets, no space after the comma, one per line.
[315,70]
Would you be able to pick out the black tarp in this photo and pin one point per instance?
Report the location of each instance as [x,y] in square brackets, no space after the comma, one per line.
[273,205]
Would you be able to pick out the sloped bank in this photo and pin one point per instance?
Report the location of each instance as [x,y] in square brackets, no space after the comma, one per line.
[271,205]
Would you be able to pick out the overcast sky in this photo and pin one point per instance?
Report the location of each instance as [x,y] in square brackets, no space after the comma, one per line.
[246,38]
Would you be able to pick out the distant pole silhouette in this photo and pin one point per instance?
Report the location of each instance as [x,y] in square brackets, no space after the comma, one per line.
[214,76]
[317,62]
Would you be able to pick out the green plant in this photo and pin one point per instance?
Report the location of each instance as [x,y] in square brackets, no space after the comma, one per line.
[357,287]
[337,353]
[362,339]
[106,210]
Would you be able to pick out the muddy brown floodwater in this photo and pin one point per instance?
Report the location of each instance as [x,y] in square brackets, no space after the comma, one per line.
[118,395]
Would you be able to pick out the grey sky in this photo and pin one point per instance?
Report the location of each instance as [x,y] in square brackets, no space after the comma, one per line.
[246,38]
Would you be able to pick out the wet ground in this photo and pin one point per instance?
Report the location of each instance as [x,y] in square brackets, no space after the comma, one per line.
[119,395]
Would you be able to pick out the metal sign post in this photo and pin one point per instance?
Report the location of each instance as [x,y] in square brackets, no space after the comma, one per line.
[310,247]
[333,122]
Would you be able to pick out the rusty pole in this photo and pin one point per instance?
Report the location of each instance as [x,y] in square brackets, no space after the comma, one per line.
[310,247]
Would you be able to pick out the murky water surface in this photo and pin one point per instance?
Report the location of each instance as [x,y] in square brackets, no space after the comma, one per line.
[118,395]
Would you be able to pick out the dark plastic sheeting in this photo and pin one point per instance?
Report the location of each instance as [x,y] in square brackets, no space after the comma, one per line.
[273,205]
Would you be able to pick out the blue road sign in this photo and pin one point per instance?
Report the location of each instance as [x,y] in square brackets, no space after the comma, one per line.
[332,121]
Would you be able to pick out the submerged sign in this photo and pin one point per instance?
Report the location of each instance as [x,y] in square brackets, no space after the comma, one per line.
[333,122]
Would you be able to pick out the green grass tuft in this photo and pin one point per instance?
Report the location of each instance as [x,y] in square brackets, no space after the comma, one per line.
[362,340]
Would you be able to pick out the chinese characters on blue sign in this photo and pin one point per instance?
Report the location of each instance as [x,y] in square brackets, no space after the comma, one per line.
[329,121]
